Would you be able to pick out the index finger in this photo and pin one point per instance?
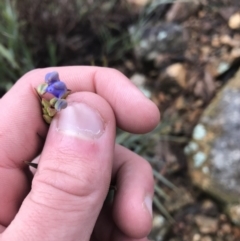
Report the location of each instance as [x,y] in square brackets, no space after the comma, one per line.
[133,111]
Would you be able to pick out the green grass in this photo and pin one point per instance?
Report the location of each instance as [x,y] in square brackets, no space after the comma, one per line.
[15,56]
[144,145]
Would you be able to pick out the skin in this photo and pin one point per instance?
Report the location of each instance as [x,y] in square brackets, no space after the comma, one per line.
[65,200]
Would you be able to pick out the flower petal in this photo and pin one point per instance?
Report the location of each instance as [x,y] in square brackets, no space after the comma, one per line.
[52,77]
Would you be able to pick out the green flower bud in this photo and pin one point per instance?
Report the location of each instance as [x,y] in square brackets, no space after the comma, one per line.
[60,104]
[51,112]
[53,101]
[41,89]
[44,111]
[45,103]
[47,118]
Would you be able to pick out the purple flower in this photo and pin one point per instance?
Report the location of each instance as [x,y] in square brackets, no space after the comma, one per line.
[58,89]
[52,77]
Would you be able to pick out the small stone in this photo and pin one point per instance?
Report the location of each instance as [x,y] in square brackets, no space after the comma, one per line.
[129,64]
[216,41]
[191,148]
[199,132]
[235,53]
[158,221]
[145,91]
[178,72]
[140,3]
[223,218]
[226,228]
[196,237]
[205,170]
[206,51]
[222,67]
[234,21]
[234,213]
[199,158]
[206,224]
[206,238]
[227,40]
[208,205]
[138,79]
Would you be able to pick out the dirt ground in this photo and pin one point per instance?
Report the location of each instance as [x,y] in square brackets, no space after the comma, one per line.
[183,84]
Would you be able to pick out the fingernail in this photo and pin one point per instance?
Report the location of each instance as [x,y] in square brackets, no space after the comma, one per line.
[148,204]
[80,120]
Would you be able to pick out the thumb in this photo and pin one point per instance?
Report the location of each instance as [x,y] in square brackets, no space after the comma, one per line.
[73,176]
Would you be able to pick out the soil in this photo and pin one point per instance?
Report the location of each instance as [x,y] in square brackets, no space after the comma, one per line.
[181,101]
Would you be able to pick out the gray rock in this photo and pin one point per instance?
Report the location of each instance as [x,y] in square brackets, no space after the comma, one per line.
[164,38]
[214,151]
[206,224]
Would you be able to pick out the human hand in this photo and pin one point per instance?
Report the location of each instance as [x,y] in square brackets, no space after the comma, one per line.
[79,158]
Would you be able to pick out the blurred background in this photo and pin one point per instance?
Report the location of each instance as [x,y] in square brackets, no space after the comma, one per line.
[185,56]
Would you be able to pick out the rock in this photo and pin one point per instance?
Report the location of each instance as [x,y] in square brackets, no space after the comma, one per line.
[226,228]
[208,207]
[178,72]
[235,53]
[160,228]
[227,40]
[136,6]
[138,79]
[182,10]
[206,238]
[214,151]
[234,212]
[196,237]
[158,221]
[234,21]
[206,224]
[150,40]
[140,3]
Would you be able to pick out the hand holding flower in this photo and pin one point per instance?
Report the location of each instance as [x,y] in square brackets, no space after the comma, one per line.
[77,158]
